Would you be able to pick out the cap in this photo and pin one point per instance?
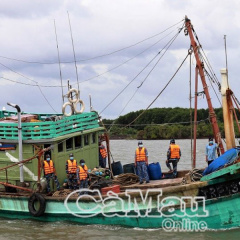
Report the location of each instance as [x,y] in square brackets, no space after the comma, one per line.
[82,161]
[172,141]
[71,155]
[140,143]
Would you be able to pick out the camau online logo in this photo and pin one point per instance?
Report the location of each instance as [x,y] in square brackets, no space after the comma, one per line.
[175,213]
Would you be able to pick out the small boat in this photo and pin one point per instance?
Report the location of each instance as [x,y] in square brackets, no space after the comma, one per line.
[212,202]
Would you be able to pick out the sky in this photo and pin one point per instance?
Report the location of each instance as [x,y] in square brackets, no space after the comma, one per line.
[118,45]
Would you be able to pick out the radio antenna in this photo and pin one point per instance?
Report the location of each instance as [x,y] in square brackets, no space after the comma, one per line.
[59,62]
[225,44]
[74,53]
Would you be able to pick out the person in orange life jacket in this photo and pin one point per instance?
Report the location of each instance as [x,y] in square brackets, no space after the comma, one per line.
[173,156]
[82,176]
[141,162]
[102,155]
[50,172]
[71,169]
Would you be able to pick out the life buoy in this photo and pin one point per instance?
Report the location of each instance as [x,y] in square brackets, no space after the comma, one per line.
[82,106]
[69,95]
[38,200]
[64,108]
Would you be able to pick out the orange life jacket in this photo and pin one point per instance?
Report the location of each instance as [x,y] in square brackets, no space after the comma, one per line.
[83,172]
[140,155]
[175,151]
[72,166]
[48,167]
[103,152]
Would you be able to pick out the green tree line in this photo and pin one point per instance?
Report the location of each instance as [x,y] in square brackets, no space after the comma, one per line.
[164,123]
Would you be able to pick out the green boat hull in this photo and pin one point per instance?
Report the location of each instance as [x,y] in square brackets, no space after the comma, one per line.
[223,213]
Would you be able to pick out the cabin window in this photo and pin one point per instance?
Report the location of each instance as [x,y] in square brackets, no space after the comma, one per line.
[93,137]
[86,140]
[7,146]
[69,144]
[78,141]
[60,147]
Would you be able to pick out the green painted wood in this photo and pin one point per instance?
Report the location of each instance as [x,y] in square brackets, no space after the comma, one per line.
[223,213]
[233,169]
[49,129]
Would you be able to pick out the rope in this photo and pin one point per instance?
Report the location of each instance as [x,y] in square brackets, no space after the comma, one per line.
[107,54]
[195,175]
[159,93]
[169,42]
[126,179]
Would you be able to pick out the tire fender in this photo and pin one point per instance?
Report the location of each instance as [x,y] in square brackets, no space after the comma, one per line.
[36,198]
[82,106]
[64,109]
[74,100]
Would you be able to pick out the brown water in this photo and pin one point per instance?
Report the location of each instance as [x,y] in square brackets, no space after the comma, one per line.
[121,150]
[24,229]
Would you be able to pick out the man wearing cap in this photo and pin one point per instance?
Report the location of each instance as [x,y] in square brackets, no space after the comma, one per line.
[71,169]
[173,156]
[141,162]
[50,172]
[82,176]
[211,151]
[102,155]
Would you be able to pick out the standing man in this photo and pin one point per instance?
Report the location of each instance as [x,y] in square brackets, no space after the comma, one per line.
[102,156]
[82,176]
[173,156]
[211,151]
[71,169]
[141,162]
[50,172]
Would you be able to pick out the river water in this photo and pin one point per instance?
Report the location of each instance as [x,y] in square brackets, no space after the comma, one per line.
[122,150]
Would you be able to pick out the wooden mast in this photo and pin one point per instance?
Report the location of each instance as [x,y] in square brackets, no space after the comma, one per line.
[199,63]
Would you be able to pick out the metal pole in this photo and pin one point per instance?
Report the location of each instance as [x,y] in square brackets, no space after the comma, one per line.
[19,139]
[195,119]
[212,114]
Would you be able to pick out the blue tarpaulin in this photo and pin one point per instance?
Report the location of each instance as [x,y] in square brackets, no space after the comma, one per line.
[227,158]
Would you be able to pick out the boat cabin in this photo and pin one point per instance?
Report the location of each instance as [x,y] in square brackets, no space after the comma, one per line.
[77,134]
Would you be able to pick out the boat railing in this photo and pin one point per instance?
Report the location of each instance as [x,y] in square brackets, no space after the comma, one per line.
[49,129]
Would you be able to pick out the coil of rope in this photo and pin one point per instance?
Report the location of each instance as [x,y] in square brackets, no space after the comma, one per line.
[126,179]
[194,174]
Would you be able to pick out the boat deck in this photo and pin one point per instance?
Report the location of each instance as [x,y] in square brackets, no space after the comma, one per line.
[155,184]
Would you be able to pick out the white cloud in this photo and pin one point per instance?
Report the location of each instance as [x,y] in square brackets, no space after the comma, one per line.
[102,27]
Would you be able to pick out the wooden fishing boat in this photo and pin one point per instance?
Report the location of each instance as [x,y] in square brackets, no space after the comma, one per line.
[165,203]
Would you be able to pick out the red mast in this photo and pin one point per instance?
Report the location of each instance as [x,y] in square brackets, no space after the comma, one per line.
[199,65]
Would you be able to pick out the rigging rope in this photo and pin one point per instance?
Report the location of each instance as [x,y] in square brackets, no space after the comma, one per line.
[111,69]
[32,81]
[103,55]
[159,92]
[166,46]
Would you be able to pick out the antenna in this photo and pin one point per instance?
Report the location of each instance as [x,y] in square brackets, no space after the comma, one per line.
[74,53]
[90,101]
[225,44]
[59,62]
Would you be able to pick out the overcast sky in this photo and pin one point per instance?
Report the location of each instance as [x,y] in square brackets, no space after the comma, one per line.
[117,39]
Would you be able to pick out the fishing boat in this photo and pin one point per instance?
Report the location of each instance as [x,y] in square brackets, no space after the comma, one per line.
[212,202]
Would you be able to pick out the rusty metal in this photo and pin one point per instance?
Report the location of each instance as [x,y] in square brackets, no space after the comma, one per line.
[235,115]
[195,120]
[213,119]
[6,175]
[108,152]
[14,186]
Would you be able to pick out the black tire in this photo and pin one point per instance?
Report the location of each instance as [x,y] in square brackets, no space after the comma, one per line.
[36,198]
